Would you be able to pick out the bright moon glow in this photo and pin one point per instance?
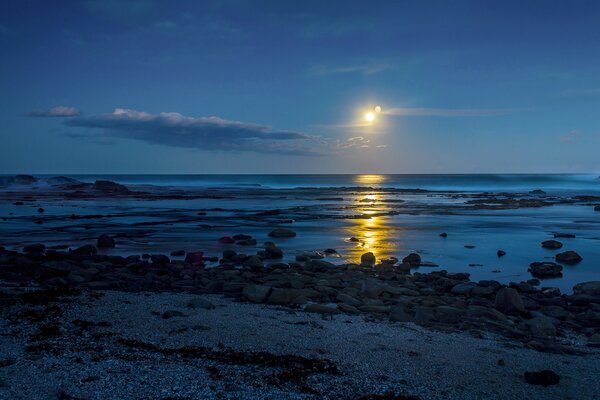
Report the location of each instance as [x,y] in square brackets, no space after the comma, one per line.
[377,109]
[370,116]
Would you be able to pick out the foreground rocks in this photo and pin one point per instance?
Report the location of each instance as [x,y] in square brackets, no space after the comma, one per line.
[386,291]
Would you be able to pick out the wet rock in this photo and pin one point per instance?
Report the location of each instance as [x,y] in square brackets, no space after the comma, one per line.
[537,192]
[545,270]
[551,244]
[273,251]
[195,257]
[247,242]
[319,266]
[354,239]
[413,259]
[34,248]
[199,302]
[160,259]
[347,299]
[282,233]
[564,235]
[178,253]
[367,259]
[541,327]
[449,315]
[229,254]
[443,234]
[555,312]
[469,246]
[501,253]
[240,236]
[227,240]
[105,242]
[40,210]
[545,377]
[85,250]
[255,263]
[597,208]
[110,187]
[568,257]
[463,288]
[508,300]
[591,288]
[321,309]
[348,309]
[256,293]
[400,314]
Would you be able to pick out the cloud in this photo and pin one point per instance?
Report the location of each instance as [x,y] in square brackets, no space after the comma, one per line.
[366,69]
[203,133]
[58,111]
[443,112]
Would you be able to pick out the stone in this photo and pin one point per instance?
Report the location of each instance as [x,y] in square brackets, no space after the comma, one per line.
[178,253]
[424,315]
[399,314]
[247,242]
[541,327]
[241,236]
[597,208]
[199,302]
[41,210]
[555,312]
[367,259]
[501,253]
[105,242]
[449,315]
[253,262]
[256,293]
[413,259]
[347,299]
[591,288]
[480,312]
[551,244]
[444,235]
[321,309]
[544,378]
[508,300]
[195,257]
[85,250]
[463,288]
[227,240]
[348,309]
[568,257]
[564,235]
[287,297]
[34,248]
[282,233]
[160,259]
[273,251]
[545,270]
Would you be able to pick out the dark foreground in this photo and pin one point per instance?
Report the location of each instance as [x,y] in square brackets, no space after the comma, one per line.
[84,325]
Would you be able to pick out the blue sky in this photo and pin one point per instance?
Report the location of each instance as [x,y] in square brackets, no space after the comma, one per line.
[283,87]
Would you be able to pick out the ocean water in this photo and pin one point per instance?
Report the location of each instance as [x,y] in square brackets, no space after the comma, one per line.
[584,183]
[326,212]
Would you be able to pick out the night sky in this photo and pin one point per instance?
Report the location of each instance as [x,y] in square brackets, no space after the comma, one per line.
[284,86]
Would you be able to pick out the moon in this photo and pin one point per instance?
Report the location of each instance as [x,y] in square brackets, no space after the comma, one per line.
[377,109]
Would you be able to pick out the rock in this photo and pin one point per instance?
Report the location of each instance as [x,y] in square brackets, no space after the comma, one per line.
[482,313]
[545,270]
[374,309]
[413,259]
[545,377]
[347,299]
[24,179]
[591,288]
[597,208]
[160,259]
[85,250]
[273,251]
[196,257]
[443,234]
[178,253]
[555,312]
[551,244]
[501,253]
[105,242]
[227,240]
[110,187]
[541,327]
[399,314]
[463,288]
[256,293]
[449,315]
[287,297]
[199,302]
[41,210]
[34,248]
[319,266]
[172,313]
[469,246]
[253,262]
[282,233]
[321,309]
[568,257]
[241,236]
[330,251]
[367,259]
[354,239]
[247,242]
[537,192]
[348,309]
[424,315]
[508,300]
[229,254]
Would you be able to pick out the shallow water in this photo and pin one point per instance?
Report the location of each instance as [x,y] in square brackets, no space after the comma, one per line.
[386,223]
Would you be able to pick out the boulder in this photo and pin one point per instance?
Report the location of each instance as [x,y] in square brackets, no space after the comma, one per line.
[463,288]
[241,236]
[545,270]
[568,257]
[273,251]
[413,259]
[105,242]
[597,208]
[85,250]
[195,257]
[287,297]
[348,309]
[253,262]
[256,293]
[321,309]
[551,244]
[591,288]
[449,315]
[508,300]
[501,253]
[178,253]
[34,248]
[226,240]
[545,377]
[282,233]
[367,259]
[247,242]
[347,299]
[160,259]
[541,327]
